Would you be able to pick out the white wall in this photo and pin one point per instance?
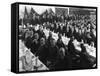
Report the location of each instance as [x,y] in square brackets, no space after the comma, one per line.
[5,39]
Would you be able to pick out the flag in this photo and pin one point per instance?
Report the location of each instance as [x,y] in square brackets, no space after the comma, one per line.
[26,13]
[50,12]
[45,13]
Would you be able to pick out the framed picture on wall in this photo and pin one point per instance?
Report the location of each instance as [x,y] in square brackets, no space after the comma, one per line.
[53,37]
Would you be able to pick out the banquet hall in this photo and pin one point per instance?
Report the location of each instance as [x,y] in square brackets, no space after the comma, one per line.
[56,38]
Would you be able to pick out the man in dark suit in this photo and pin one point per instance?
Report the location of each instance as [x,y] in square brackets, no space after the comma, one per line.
[64,61]
[40,32]
[42,51]
[52,54]
[60,42]
[35,43]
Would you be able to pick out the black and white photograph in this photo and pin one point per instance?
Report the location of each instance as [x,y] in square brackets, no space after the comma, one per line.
[56,38]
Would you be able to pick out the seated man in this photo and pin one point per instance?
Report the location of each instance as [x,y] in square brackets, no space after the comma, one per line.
[40,32]
[64,61]
[52,54]
[28,39]
[42,51]
[35,43]
[49,37]
[59,41]
[74,55]
[85,61]
[71,48]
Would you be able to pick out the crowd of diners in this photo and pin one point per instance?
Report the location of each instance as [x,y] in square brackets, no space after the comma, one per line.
[55,54]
